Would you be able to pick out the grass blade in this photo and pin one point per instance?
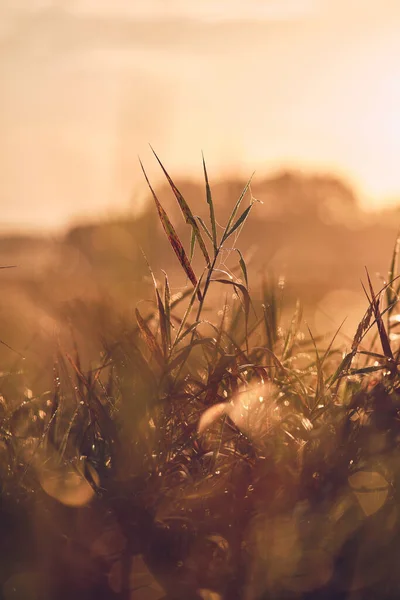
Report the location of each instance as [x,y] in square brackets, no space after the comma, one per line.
[390,294]
[172,236]
[188,309]
[211,208]
[379,322]
[187,213]
[167,308]
[243,267]
[236,208]
[246,300]
[239,222]
[192,245]
[205,228]
[149,338]
[161,311]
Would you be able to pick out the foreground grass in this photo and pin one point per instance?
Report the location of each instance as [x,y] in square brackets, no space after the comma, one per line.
[212,452]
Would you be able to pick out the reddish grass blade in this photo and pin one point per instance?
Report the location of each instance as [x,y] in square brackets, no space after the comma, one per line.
[172,236]
[187,213]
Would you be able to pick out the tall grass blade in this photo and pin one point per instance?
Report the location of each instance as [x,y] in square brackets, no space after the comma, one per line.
[293,330]
[243,267]
[161,311]
[167,308]
[270,309]
[236,208]
[150,339]
[246,300]
[188,310]
[172,236]
[211,209]
[241,220]
[391,296]
[205,228]
[187,213]
[192,245]
[379,322]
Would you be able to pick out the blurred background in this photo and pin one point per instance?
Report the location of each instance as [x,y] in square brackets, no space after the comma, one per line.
[304,92]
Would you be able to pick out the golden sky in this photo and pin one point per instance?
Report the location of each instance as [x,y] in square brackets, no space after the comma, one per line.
[86,84]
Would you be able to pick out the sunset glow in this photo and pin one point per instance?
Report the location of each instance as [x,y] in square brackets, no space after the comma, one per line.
[86,84]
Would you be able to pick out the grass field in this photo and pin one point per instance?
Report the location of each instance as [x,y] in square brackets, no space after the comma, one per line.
[214,449]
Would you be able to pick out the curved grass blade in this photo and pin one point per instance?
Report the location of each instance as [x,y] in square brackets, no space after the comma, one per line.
[246,300]
[187,213]
[192,245]
[211,208]
[161,311]
[243,266]
[270,308]
[293,331]
[149,338]
[172,236]
[366,370]
[167,308]
[379,322]
[241,220]
[391,296]
[187,331]
[188,309]
[236,208]
[183,354]
[204,226]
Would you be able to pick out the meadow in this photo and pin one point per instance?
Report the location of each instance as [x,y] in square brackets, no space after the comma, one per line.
[204,443]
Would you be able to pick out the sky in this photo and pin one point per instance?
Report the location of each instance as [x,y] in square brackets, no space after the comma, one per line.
[85,85]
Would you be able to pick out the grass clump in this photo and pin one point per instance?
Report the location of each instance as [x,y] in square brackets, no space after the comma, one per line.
[211,452]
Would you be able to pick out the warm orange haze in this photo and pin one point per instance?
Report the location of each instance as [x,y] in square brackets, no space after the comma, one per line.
[86,84]
[199,398]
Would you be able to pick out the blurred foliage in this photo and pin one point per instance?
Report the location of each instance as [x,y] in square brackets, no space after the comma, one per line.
[196,445]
